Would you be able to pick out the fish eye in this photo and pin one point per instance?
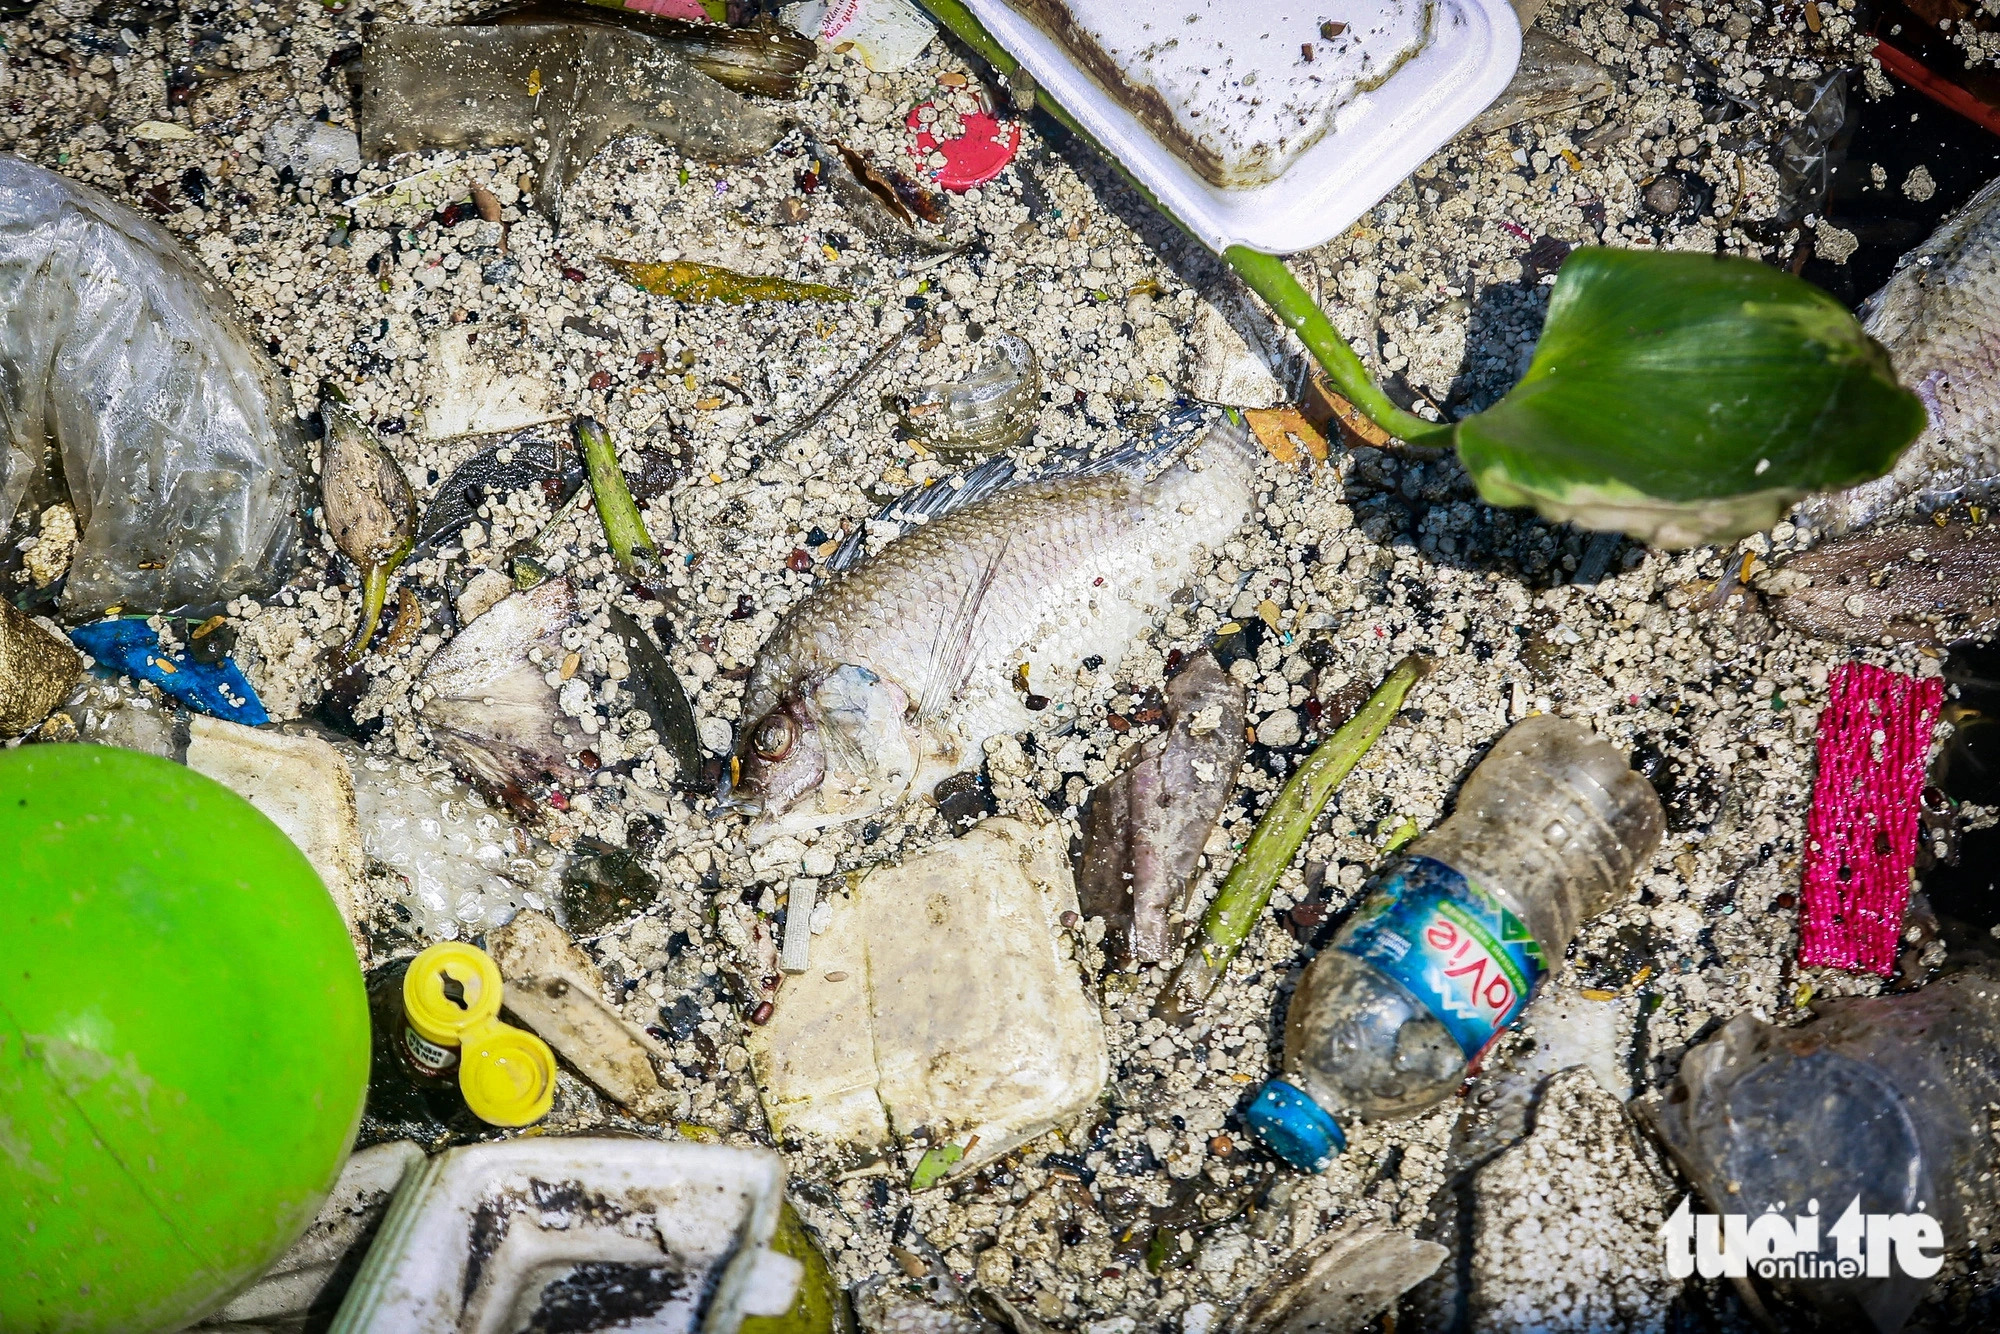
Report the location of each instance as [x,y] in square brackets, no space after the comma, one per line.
[773,739]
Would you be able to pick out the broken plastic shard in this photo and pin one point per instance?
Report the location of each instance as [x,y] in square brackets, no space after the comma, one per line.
[989,410]
[127,644]
[287,1291]
[1144,829]
[570,87]
[1338,1283]
[488,701]
[128,377]
[313,149]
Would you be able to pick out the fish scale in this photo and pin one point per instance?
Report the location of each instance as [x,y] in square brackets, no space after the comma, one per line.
[1071,568]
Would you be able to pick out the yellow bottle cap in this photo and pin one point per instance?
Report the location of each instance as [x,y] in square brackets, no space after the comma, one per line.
[449,988]
[508,1077]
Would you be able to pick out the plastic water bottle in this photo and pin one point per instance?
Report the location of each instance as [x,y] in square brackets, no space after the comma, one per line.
[1451,940]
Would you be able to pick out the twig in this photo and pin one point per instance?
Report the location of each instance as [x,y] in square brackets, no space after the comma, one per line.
[847,386]
[1247,891]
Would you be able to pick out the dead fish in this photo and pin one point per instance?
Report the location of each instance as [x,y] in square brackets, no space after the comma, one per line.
[1144,829]
[486,698]
[1939,316]
[973,620]
[1923,583]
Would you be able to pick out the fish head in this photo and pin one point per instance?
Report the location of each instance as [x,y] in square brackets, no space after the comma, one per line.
[838,747]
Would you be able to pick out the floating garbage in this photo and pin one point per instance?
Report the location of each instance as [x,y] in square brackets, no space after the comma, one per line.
[302,785]
[1341,1280]
[1920,583]
[454,865]
[311,149]
[157,1163]
[1144,829]
[1275,841]
[965,1017]
[659,694]
[554,988]
[38,669]
[290,1288]
[1854,1146]
[753,59]
[578,1234]
[129,645]
[449,1035]
[1861,832]
[1455,936]
[711,284]
[1553,77]
[884,35]
[174,437]
[486,697]
[573,88]
[532,458]
[989,410]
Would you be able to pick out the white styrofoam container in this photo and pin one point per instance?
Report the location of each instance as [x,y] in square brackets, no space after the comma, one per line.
[1375,141]
[484,1239]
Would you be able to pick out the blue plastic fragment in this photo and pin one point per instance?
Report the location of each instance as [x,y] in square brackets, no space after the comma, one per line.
[130,646]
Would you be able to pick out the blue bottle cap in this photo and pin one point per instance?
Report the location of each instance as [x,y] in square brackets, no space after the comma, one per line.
[1295,1127]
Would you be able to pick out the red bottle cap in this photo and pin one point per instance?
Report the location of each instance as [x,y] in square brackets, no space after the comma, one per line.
[975,157]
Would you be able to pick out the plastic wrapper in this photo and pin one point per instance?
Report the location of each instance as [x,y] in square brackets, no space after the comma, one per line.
[124,374]
[565,90]
[1881,1100]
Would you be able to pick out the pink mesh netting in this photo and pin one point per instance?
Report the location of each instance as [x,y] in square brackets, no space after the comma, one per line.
[1861,834]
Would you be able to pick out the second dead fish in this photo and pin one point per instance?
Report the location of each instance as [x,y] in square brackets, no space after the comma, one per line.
[891,676]
[1939,317]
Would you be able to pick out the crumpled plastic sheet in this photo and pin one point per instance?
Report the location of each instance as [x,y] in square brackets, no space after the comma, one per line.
[1861,834]
[131,646]
[565,90]
[125,378]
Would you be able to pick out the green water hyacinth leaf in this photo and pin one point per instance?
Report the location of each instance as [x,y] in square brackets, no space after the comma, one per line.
[1687,399]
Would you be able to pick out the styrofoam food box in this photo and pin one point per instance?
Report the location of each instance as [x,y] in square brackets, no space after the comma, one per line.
[1279,150]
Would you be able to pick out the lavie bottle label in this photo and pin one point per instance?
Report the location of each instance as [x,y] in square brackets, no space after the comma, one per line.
[1471,962]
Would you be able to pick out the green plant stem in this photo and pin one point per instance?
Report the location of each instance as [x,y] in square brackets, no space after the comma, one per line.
[624,527]
[1272,845]
[1269,278]
[374,595]
[1265,274]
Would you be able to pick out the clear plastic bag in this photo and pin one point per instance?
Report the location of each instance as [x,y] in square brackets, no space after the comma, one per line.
[125,378]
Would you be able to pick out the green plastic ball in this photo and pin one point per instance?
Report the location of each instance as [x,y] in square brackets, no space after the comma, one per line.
[183,1042]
